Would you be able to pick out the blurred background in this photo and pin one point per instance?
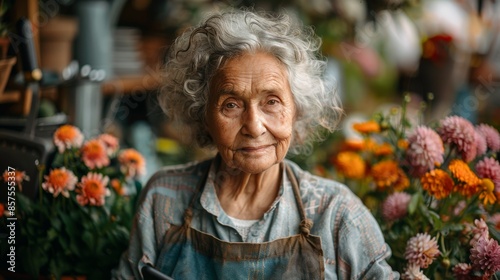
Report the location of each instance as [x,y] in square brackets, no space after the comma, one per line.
[100,62]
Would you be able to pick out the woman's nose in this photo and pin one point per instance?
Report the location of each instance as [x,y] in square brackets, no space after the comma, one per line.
[253,122]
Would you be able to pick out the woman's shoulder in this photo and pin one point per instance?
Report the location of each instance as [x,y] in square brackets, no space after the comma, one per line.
[179,173]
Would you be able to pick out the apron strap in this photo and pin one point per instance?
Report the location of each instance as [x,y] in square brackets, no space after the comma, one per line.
[305,223]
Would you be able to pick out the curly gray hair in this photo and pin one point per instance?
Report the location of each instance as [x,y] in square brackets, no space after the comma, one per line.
[198,53]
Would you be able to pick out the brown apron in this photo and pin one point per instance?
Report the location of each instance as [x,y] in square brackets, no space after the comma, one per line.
[191,254]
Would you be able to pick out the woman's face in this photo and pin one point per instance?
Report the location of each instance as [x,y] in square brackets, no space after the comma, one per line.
[251,112]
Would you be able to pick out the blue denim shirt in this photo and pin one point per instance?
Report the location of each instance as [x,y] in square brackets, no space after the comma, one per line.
[351,239]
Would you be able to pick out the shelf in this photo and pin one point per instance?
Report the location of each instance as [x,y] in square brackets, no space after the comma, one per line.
[131,84]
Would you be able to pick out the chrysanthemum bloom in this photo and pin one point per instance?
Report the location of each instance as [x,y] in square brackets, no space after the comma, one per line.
[383,149]
[479,230]
[387,173]
[462,271]
[60,181]
[110,142]
[485,256]
[421,250]
[459,132]
[495,220]
[94,154]
[395,206]
[367,127]
[19,177]
[491,136]
[425,150]
[68,136]
[468,181]
[487,195]
[489,168]
[413,272]
[481,146]
[132,163]
[92,189]
[350,164]
[437,183]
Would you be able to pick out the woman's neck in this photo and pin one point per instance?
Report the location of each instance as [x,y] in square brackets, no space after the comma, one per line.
[247,196]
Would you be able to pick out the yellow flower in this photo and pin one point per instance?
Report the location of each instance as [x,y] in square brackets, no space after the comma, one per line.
[367,127]
[487,195]
[468,181]
[350,164]
[437,183]
[385,173]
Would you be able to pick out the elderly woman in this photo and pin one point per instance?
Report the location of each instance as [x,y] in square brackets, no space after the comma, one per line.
[251,87]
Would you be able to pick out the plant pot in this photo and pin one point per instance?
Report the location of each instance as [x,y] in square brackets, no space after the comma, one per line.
[5,68]
[56,42]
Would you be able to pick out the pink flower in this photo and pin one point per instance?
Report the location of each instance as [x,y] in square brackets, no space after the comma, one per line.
[425,150]
[395,206]
[479,231]
[489,168]
[485,256]
[94,154]
[491,136]
[110,142]
[92,189]
[59,181]
[68,136]
[481,145]
[460,132]
[421,250]
[461,271]
[413,272]
[495,220]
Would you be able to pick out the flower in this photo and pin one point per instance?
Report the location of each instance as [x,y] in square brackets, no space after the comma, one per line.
[468,181]
[487,195]
[383,149]
[480,143]
[425,150]
[387,173]
[350,164]
[367,127]
[132,163]
[118,186]
[66,137]
[19,177]
[395,206]
[485,256]
[110,142]
[413,272]
[94,154]
[460,132]
[461,271]
[421,250]
[479,231]
[437,183]
[491,135]
[60,181]
[92,189]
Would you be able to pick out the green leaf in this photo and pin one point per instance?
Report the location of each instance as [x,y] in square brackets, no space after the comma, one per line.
[412,207]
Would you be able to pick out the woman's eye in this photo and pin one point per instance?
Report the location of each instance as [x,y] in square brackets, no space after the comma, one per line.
[272,102]
[231,105]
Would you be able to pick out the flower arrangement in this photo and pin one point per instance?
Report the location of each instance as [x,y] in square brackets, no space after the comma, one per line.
[79,223]
[434,190]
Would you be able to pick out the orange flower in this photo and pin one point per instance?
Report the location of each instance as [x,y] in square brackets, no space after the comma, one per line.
[92,189]
[383,149]
[370,144]
[68,136]
[132,163]
[350,164]
[352,145]
[367,127]
[438,183]
[59,181]
[110,142]
[468,181]
[403,144]
[487,195]
[94,154]
[19,177]
[385,173]
[403,182]
[117,186]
